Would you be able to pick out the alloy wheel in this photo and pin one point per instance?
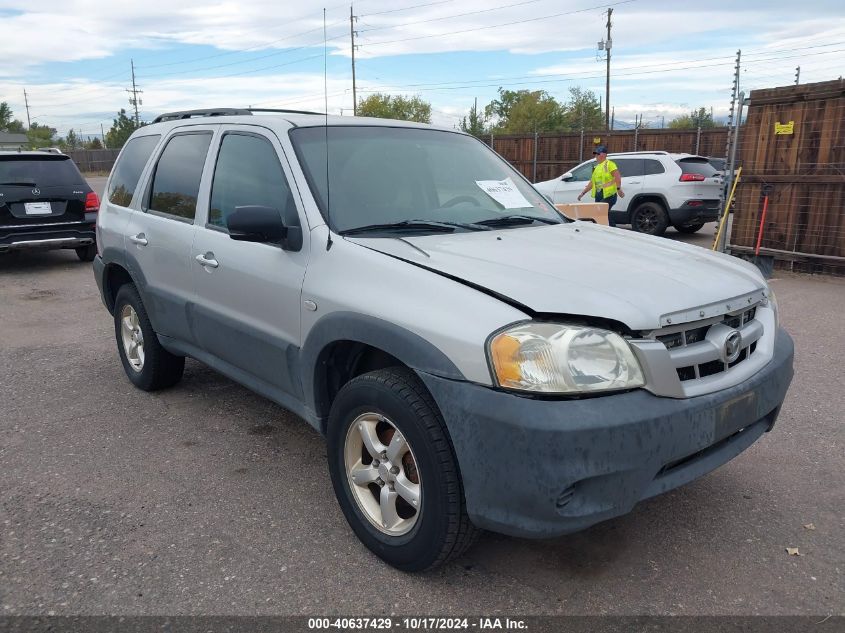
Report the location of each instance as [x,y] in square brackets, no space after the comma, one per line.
[132,337]
[382,474]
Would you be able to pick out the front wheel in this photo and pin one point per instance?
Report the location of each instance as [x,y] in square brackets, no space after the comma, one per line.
[689,228]
[650,218]
[394,471]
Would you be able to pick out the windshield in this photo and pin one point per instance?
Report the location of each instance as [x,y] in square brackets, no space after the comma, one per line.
[384,176]
[37,171]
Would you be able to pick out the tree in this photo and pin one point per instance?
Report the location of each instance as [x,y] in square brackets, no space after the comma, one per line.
[94,143]
[7,123]
[473,123]
[5,115]
[385,106]
[72,141]
[522,111]
[701,117]
[121,129]
[40,136]
[583,110]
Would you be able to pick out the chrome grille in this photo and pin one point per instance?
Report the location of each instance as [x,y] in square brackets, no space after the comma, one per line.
[696,349]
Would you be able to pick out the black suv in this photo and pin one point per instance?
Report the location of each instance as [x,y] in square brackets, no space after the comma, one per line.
[46,203]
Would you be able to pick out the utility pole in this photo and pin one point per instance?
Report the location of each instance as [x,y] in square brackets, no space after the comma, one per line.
[134,100]
[797,74]
[612,117]
[26,101]
[730,149]
[607,47]
[352,38]
[103,134]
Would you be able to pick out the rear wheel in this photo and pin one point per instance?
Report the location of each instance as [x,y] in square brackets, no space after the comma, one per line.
[147,364]
[394,471]
[650,218]
[86,253]
[689,228]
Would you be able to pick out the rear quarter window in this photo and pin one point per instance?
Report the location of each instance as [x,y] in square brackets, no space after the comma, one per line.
[127,171]
[697,166]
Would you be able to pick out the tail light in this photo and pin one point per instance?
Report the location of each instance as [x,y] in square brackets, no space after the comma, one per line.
[691,178]
[92,202]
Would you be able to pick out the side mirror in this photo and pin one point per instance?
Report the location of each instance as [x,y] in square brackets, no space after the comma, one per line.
[263,225]
[567,176]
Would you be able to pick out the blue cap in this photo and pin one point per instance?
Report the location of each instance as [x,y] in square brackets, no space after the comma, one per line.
[600,149]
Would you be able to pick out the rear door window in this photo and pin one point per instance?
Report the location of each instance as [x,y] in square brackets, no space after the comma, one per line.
[127,171]
[176,182]
[37,171]
[653,167]
[697,166]
[629,166]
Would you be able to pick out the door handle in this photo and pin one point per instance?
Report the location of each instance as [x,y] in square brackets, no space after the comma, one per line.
[140,239]
[634,182]
[207,260]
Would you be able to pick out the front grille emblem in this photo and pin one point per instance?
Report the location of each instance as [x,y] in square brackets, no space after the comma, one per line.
[36,192]
[733,346]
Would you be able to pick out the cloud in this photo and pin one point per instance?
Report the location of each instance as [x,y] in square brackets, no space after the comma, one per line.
[263,44]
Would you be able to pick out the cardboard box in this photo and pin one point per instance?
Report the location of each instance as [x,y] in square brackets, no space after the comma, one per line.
[595,211]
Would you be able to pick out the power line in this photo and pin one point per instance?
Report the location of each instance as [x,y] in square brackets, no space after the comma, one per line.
[244,61]
[496,26]
[455,15]
[641,69]
[244,50]
[415,6]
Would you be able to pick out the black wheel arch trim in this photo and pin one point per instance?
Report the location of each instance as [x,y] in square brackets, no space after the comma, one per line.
[116,257]
[404,345]
[638,199]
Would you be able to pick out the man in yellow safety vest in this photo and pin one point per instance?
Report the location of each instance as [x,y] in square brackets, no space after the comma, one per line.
[605,182]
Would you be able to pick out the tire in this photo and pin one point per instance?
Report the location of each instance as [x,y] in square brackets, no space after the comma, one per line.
[149,366]
[650,218]
[690,228]
[439,530]
[86,253]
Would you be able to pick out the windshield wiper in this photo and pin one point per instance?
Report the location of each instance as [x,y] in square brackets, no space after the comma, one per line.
[22,183]
[415,225]
[514,220]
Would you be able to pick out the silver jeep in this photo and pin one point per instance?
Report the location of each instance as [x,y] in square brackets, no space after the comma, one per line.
[474,359]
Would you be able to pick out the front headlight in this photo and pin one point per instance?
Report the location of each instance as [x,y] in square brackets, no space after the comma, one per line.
[773,303]
[556,358]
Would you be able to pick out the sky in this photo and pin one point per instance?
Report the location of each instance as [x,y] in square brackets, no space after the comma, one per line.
[74,57]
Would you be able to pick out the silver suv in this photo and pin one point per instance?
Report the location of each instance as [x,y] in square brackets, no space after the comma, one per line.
[474,359]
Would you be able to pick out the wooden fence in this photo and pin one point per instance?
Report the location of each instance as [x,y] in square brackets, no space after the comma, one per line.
[558,153]
[94,160]
[792,148]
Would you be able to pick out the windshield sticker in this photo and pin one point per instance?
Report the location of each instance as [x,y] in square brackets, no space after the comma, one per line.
[504,192]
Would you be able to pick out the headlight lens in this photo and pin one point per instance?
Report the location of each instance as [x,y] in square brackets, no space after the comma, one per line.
[555,358]
[773,302]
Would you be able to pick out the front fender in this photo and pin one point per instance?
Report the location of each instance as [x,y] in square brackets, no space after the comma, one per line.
[408,347]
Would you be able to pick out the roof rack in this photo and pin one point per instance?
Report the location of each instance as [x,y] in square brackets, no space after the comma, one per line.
[285,111]
[190,114]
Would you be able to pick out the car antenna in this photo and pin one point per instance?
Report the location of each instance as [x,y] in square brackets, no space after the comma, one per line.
[326,129]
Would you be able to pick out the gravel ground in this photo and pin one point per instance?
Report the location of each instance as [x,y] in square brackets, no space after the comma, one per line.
[208,499]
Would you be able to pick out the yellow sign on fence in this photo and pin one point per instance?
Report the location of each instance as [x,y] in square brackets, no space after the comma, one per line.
[596,140]
[784,128]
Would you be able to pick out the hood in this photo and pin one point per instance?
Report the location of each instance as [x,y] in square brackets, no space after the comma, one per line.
[585,269]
